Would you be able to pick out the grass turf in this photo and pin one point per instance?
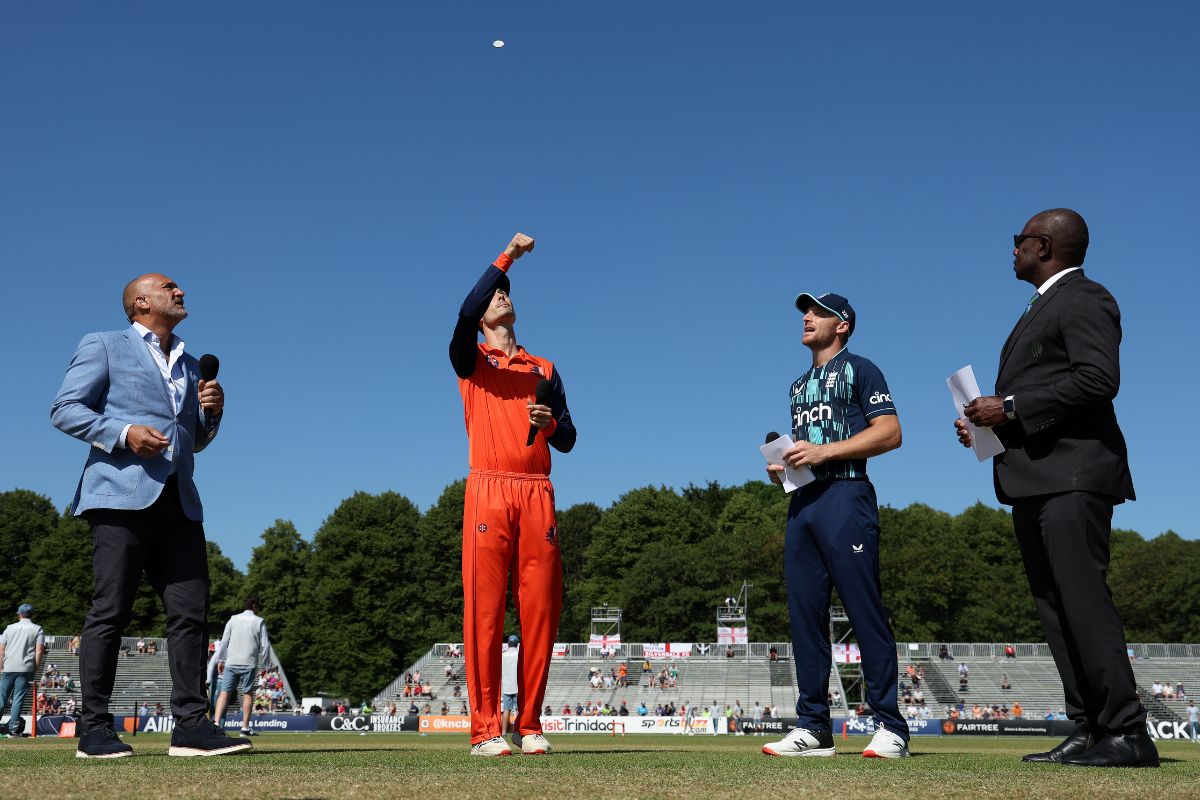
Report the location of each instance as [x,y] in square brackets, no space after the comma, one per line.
[337,765]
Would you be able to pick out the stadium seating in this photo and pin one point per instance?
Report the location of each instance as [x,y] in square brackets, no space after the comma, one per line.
[141,677]
[751,677]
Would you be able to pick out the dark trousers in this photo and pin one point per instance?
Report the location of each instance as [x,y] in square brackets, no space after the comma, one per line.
[833,540]
[1064,544]
[169,548]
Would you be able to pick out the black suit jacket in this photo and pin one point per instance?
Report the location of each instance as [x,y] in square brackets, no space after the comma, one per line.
[1062,363]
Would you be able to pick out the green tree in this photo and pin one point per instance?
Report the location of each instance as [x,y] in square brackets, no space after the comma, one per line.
[920,561]
[747,545]
[643,557]
[362,605]
[25,519]
[575,526]
[277,574]
[1154,587]
[226,590]
[439,570]
[61,582]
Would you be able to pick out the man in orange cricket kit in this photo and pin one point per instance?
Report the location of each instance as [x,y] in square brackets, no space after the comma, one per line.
[515,409]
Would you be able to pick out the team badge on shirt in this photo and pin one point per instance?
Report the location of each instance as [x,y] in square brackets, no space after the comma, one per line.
[493,361]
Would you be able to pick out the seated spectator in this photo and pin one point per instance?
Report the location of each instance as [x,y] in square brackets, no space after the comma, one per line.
[454,651]
[457,691]
[152,648]
[944,653]
[1004,684]
[158,710]
[566,712]
[622,674]
[963,684]
[412,708]
[919,698]
[911,670]
[462,710]
[729,651]
[976,712]
[963,669]
[773,653]
[141,645]
[69,708]
[445,709]
[641,709]
[426,709]
[953,713]
[1010,651]
[1017,711]
[391,709]
[578,710]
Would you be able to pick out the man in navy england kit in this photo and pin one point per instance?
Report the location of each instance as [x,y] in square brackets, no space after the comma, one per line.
[842,414]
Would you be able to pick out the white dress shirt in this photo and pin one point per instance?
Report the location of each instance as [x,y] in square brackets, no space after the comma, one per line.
[1045,287]
[171,369]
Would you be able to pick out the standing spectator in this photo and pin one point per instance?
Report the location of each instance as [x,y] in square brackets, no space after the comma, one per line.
[509,686]
[137,399]
[757,718]
[245,644]
[1064,467]
[22,647]
[1193,721]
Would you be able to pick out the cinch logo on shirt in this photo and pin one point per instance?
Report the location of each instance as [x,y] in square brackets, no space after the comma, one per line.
[879,397]
[817,413]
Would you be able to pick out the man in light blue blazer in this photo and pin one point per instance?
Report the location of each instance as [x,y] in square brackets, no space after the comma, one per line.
[138,399]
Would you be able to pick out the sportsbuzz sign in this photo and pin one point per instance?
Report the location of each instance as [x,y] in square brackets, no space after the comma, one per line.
[627,725]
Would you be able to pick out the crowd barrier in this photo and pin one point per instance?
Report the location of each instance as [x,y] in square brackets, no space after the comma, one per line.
[614,726]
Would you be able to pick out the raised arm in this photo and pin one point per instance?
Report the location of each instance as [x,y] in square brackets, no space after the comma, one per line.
[466,330]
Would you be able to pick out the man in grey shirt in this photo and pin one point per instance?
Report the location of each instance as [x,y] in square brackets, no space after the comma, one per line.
[22,647]
[244,644]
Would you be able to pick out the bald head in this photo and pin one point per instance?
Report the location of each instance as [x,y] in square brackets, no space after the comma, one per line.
[132,290]
[1067,231]
[153,298]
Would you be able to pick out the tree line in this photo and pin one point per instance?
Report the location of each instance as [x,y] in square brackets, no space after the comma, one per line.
[380,581]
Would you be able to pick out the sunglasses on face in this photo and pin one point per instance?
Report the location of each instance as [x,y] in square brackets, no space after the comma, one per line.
[1020,237]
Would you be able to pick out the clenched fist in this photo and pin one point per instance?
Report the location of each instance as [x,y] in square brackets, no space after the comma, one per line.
[519,246]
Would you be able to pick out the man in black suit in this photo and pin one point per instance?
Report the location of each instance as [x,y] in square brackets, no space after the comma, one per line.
[1063,470]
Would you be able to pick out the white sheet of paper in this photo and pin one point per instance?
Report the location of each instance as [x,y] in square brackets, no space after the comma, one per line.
[963,389]
[793,479]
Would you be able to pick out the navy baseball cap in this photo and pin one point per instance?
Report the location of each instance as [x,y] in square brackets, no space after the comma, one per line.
[25,609]
[834,303]
[513,641]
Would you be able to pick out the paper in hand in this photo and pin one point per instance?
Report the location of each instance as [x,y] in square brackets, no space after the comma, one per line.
[963,389]
[792,479]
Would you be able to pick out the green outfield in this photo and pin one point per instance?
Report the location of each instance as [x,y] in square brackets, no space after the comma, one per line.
[336,765]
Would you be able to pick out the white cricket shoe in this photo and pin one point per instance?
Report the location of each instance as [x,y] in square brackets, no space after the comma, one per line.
[534,744]
[492,747]
[803,742]
[885,744]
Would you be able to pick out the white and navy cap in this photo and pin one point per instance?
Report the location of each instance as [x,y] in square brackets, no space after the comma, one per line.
[834,303]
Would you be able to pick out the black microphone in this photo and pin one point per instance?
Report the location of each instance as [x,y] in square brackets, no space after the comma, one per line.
[209,366]
[543,393]
[772,436]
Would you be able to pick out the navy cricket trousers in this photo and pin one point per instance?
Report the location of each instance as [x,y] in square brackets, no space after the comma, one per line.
[833,542]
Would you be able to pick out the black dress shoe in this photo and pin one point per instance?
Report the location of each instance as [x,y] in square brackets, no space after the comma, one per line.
[1074,745]
[1119,750]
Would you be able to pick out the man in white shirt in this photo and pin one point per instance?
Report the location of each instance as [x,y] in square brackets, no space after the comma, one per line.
[244,645]
[22,647]
[509,687]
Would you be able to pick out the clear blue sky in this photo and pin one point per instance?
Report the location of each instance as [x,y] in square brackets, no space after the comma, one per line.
[326,181]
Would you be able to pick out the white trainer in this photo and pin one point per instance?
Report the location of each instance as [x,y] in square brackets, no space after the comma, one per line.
[885,744]
[492,747]
[534,744]
[803,742]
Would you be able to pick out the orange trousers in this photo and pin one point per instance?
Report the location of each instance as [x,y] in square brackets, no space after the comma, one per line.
[509,527]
